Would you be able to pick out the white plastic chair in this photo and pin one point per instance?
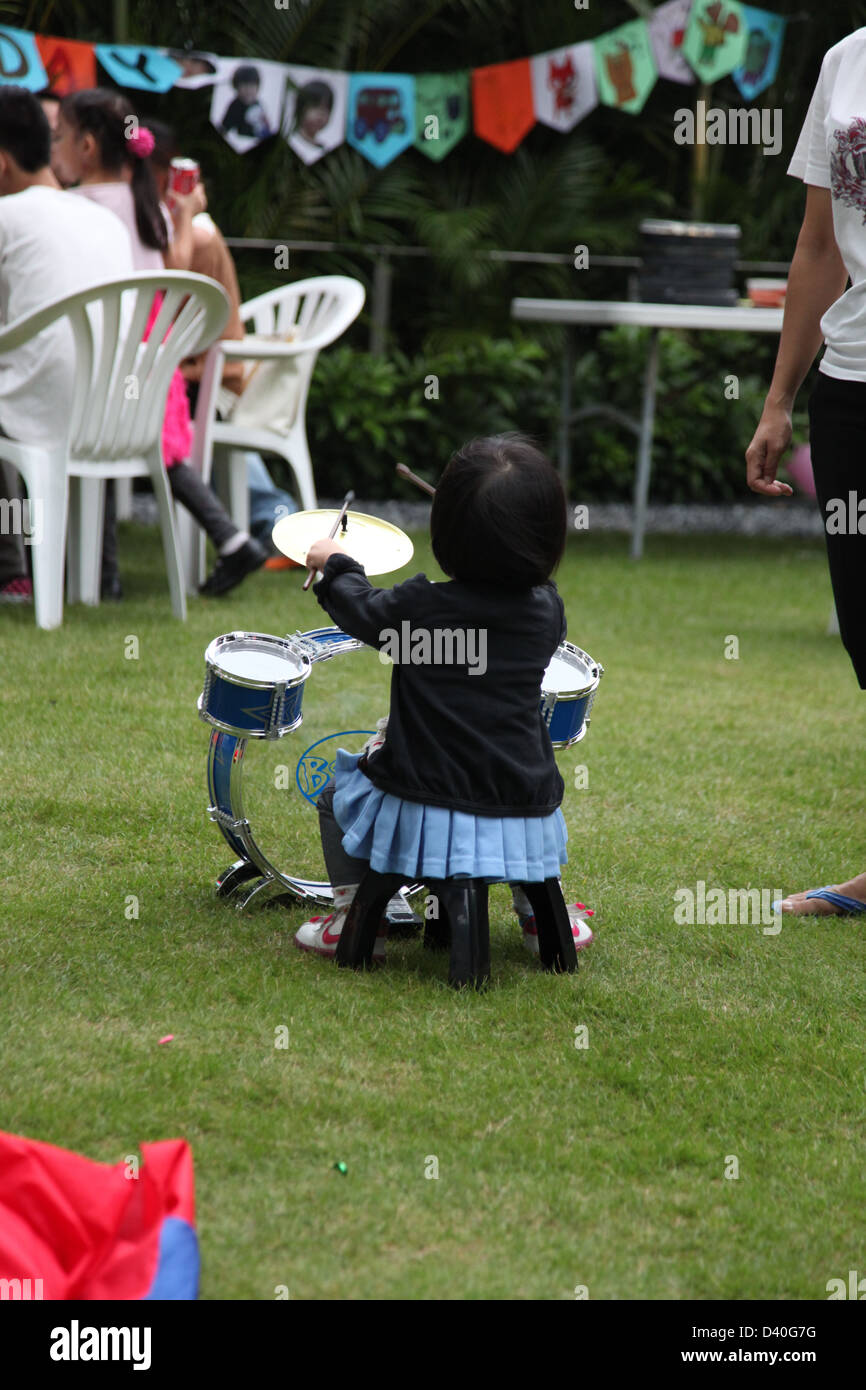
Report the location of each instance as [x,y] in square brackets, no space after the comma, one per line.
[120,384]
[316,312]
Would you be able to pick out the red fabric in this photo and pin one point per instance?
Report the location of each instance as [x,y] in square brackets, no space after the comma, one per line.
[177,425]
[502,103]
[86,1229]
[69,65]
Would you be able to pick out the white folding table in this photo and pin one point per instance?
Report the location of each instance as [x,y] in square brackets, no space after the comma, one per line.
[606,313]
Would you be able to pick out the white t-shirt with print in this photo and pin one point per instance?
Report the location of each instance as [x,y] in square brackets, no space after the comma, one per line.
[51,245]
[831,153]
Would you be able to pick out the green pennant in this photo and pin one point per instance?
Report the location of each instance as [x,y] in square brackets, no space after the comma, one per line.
[716,38]
[625,66]
[441,111]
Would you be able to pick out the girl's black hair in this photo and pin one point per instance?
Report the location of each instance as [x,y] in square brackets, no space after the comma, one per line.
[499,514]
[165,147]
[111,120]
[312,94]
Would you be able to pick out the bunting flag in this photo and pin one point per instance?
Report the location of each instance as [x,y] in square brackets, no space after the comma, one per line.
[667,29]
[716,38]
[145,69]
[625,66]
[502,102]
[196,69]
[381,115]
[441,112]
[20,63]
[247,102]
[766,35]
[69,66]
[564,88]
[74,1229]
[314,122]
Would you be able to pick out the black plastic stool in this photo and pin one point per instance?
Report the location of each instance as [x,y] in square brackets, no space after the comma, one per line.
[462,925]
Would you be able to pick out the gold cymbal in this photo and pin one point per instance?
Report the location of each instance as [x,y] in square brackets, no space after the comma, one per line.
[375,544]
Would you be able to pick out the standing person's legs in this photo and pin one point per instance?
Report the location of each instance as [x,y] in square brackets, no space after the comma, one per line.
[837,417]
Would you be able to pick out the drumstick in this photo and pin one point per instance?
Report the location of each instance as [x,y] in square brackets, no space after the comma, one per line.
[413,478]
[347,502]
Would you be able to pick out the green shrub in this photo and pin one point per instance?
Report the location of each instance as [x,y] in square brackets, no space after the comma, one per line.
[366,414]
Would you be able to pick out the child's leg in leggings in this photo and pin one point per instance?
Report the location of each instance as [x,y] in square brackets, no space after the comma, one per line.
[188,487]
[344,871]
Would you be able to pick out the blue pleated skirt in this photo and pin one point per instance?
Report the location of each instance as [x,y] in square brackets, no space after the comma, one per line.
[423,842]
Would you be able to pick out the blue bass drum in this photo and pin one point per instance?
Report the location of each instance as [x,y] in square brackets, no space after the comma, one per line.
[253,685]
[568,691]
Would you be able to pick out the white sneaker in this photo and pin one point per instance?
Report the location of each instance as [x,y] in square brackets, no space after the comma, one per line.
[578,914]
[321,934]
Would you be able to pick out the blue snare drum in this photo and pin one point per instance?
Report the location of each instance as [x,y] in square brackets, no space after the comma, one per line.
[253,685]
[568,690]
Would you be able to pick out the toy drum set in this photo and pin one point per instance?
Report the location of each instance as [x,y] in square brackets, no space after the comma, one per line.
[254,688]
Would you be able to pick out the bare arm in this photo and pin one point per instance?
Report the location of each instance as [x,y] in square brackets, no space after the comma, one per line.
[816,280]
[179,253]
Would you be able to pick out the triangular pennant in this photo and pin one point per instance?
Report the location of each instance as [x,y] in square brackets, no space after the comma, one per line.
[564,88]
[716,38]
[504,111]
[381,117]
[145,69]
[766,34]
[441,111]
[20,63]
[70,66]
[667,29]
[625,66]
[196,69]
[247,101]
[315,116]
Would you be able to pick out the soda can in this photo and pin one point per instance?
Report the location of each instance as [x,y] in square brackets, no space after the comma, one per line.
[184,176]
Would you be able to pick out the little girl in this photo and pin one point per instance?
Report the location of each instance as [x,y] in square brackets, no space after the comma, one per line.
[99,146]
[464,780]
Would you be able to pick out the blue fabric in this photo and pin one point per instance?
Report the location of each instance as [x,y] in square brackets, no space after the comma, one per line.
[268,503]
[177,1268]
[423,842]
[838,900]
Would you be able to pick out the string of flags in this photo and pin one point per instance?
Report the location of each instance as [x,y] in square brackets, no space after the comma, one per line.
[382,114]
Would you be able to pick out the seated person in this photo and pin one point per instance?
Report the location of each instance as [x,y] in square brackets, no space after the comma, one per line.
[92,150]
[51,245]
[209,255]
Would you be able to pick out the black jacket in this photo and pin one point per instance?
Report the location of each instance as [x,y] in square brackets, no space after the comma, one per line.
[474,743]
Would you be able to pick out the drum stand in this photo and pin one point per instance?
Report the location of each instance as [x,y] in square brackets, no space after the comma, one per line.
[252,880]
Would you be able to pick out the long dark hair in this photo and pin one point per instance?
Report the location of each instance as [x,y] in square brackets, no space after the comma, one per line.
[499,515]
[111,120]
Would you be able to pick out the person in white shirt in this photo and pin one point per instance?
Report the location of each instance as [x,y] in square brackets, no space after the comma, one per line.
[51,245]
[830,158]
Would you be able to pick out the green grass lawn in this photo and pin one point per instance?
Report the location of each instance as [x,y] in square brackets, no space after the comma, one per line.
[601,1166]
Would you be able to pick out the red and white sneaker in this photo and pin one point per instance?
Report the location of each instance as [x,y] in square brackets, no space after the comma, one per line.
[17,591]
[322,934]
[578,914]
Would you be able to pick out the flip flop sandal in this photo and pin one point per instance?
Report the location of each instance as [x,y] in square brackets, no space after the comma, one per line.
[847,905]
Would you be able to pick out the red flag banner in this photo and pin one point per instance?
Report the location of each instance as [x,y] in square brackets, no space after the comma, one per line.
[70,66]
[503,107]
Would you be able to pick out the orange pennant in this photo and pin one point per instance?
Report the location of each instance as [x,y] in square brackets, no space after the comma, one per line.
[70,65]
[503,109]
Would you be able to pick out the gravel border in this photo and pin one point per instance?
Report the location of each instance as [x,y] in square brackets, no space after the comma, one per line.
[794,517]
